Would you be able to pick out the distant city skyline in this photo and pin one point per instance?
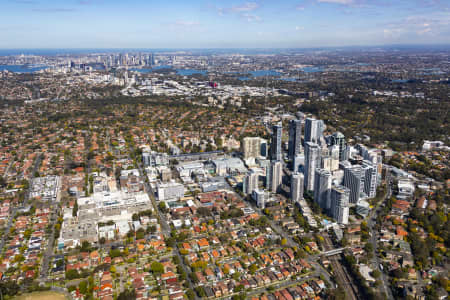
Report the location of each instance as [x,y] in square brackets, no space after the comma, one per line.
[221,24]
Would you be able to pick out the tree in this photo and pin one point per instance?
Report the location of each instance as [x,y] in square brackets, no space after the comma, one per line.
[190,294]
[83,287]
[9,288]
[376,274]
[241,296]
[253,268]
[236,276]
[127,295]
[151,229]
[72,274]
[114,253]
[85,246]
[368,248]
[75,209]
[336,294]
[204,211]
[2,182]
[157,267]
[239,288]
[140,233]
[162,207]
[199,265]
[193,277]
[200,291]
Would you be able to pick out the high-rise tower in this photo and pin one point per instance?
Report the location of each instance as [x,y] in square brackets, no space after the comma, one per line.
[297,182]
[276,142]
[295,138]
[312,162]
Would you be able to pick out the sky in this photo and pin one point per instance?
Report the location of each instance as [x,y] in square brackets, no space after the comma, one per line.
[221,23]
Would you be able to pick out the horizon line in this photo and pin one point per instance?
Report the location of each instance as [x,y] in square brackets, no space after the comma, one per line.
[219,48]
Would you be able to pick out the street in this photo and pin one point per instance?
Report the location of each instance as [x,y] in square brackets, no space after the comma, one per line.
[165,229]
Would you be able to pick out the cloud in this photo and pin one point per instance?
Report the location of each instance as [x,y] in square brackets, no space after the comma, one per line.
[53,10]
[300,7]
[344,2]
[244,11]
[246,7]
[298,28]
[25,1]
[90,2]
[251,18]
[418,26]
[424,31]
[391,33]
[186,23]
[184,26]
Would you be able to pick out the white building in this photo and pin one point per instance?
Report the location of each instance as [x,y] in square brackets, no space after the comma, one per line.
[250,182]
[312,162]
[276,175]
[362,208]
[260,198]
[405,188]
[322,188]
[430,145]
[340,204]
[169,191]
[47,188]
[186,170]
[370,179]
[297,186]
[354,180]
[254,147]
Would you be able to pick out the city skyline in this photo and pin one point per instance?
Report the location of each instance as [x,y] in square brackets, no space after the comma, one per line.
[214,24]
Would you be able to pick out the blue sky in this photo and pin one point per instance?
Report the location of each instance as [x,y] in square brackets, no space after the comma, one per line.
[221,23]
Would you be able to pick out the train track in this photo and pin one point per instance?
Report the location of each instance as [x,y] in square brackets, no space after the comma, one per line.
[342,277]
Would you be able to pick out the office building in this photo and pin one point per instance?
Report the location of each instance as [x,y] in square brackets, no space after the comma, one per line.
[250,182]
[334,154]
[325,162]
[374,156]
[363,208]
[155,159]
[276,175]
[254,147]
[170,191]
[295,138]
[353,175]
[277,134]
[298,162]
[340,204]
[405,188]
[322,188]
[370,179]
[47,188]
[259,197]
[312,162]
[301,116]
[264,148]
[265,165]
[297,187]
[313,130]
[339,139]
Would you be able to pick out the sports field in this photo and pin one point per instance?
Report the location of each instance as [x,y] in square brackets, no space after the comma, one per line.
[41,296]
